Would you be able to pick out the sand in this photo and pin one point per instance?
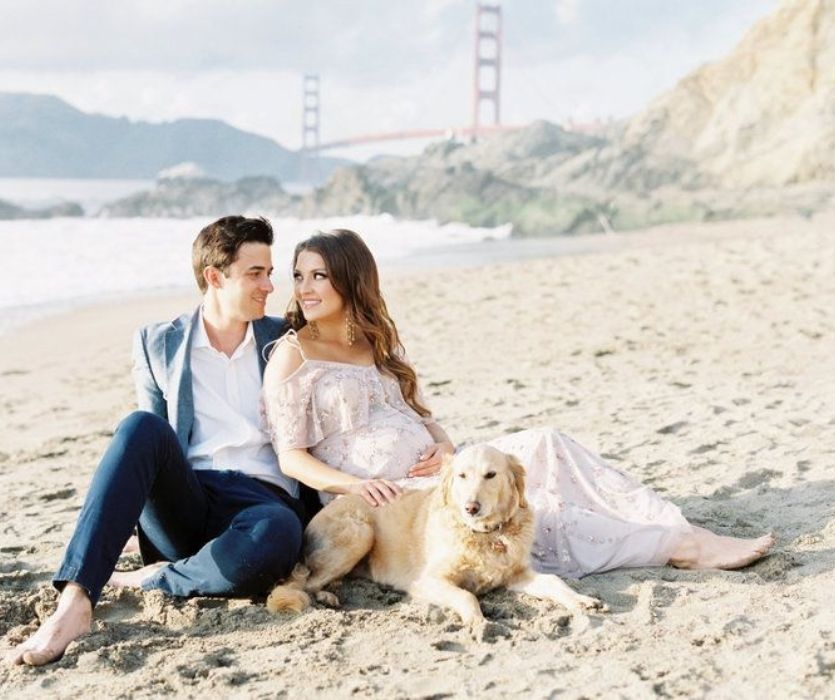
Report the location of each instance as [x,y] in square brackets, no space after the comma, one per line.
[698,358]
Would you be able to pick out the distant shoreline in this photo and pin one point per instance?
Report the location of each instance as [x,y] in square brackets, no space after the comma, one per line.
[466,255]
[462,256]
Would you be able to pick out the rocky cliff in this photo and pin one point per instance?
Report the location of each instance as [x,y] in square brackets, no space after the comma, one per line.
[182,197]
[762,116]
[752,134]
[485,184]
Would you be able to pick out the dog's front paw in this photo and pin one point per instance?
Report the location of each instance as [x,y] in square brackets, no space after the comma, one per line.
[327,599]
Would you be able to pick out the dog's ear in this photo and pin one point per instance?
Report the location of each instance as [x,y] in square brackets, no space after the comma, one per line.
[518,472]
[446,478]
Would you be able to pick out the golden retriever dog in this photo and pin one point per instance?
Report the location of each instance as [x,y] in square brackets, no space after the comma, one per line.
[470,534]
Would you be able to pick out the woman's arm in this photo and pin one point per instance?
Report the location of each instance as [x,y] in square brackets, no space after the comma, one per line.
[431,460]
[301,465]
[438,433]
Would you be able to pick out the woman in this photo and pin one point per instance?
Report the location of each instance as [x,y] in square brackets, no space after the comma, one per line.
[346,416]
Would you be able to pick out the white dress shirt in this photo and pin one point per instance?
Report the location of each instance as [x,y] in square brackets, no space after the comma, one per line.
[229,430]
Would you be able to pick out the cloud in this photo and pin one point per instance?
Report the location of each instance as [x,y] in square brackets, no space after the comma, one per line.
[567,10]
[373,40]
[383,65]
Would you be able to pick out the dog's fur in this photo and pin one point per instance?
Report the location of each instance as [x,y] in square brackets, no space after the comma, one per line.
[430,543]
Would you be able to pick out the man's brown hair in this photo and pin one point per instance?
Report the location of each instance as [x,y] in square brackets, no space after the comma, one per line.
[217,245]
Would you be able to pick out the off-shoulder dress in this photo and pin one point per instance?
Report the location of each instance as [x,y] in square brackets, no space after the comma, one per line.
[590,516]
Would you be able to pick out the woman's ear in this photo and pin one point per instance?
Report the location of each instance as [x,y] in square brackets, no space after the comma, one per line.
[518,472]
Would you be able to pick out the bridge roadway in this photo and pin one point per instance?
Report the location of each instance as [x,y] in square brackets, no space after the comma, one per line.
[455,132]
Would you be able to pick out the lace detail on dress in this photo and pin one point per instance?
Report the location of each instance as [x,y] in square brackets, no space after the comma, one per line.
[322,398]
[395,398]
[351,417]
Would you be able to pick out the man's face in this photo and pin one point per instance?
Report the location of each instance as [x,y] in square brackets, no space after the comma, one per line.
[244,287]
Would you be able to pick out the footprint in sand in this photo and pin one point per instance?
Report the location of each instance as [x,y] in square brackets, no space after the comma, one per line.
[652,599]
[777,566]
[672,428]
[708,447]
[61,494]
[756,478]
[14,373]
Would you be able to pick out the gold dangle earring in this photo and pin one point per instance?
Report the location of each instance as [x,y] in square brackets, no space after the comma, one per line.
[350,328]
[314,330]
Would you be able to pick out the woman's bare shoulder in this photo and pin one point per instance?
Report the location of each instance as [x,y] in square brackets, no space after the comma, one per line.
[285,361]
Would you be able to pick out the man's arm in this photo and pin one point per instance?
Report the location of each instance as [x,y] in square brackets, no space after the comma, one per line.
[148,394]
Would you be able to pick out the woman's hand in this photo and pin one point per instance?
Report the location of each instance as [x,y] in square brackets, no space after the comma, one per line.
[431,460]
[376,492]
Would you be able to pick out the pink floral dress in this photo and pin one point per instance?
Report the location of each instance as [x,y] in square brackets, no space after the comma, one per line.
[590,517]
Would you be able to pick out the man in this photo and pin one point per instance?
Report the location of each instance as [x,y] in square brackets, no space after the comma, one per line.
[193,470]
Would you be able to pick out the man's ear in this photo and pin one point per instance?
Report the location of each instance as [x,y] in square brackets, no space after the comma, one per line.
[518,472]
[213,275]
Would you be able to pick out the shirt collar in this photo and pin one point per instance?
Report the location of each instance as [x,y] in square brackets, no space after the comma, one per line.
[201,338]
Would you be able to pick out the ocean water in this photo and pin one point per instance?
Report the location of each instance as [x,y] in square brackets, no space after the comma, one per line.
[56,264]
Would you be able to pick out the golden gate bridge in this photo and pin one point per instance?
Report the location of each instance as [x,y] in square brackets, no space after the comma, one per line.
[486,91]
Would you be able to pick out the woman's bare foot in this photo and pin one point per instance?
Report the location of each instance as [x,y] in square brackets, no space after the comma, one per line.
[134,579]
[703,549]
[71,619]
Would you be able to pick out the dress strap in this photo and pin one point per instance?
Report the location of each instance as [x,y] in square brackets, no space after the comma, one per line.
[292,339]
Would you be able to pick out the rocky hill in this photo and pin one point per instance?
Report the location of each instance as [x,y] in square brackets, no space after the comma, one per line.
[485,184]
[182,197]
[752,134]
[12,211]
[762,116]
[43,136]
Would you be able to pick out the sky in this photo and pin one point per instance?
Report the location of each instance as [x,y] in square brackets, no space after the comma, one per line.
[384,65]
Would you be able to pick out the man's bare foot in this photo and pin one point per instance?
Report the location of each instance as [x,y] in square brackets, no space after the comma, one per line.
[71,619]
[134,579]
[703,549]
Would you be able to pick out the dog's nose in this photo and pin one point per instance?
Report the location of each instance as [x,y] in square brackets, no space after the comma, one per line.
[472,507]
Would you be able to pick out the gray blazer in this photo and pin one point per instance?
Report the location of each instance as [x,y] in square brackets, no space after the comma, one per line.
[162,367]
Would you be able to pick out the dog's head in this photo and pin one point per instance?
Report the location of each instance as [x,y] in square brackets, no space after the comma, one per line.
[484,486]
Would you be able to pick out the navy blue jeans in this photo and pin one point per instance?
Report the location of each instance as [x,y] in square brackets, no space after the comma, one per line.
[225,533]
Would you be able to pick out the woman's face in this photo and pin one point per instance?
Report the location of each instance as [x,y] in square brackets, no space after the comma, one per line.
[318,300]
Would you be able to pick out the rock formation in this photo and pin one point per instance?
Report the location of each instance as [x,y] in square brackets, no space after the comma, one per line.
[182,197]
[762,116]
[752,134]
[12,211]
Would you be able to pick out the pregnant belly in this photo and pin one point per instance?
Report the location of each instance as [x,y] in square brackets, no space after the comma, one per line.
[384,449]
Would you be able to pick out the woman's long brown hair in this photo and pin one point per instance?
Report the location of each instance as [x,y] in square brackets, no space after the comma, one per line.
[353,274]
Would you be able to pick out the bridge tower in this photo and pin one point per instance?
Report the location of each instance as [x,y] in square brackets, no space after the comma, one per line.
[488,62]
[310,129]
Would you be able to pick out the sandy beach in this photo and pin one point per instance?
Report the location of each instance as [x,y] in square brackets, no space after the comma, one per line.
[699,358]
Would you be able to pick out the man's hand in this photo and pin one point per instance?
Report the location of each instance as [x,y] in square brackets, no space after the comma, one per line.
[431,460]
[376,492]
